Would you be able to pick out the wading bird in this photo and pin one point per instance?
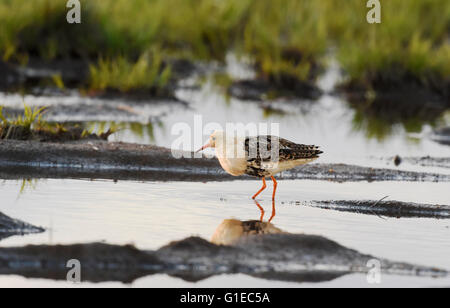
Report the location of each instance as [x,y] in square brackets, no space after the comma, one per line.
[260,156]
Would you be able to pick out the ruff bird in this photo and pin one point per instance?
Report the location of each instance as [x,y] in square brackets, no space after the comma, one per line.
[259,156]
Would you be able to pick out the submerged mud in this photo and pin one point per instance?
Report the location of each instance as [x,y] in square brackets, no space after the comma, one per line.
[282,256]
[10,227]
[124,161]
[395,209]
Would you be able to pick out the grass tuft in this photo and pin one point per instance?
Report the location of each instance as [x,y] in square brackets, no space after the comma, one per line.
[30,126]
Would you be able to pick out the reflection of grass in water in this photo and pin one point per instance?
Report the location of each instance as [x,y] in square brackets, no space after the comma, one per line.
[102,127]
[373,127]
[221,82]
[30,126]
[27,184]
[139,130]
[379,127]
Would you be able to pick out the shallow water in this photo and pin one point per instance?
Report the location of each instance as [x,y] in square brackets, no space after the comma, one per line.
[328,122]
[152,214]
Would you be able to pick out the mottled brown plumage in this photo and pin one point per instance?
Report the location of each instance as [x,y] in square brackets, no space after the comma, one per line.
[263,152]
[261,156]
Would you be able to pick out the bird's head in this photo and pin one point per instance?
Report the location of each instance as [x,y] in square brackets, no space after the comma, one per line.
[215,139]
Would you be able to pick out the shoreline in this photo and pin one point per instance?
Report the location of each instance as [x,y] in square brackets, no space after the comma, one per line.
[127,161]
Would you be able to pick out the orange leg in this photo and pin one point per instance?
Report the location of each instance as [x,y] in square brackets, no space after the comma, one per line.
[262,188]
[273,211]
[261,209]
[275,184]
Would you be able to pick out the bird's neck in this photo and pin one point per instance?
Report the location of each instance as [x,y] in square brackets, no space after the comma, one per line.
[231,148]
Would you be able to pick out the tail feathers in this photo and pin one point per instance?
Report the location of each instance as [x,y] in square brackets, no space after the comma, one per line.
[305,152]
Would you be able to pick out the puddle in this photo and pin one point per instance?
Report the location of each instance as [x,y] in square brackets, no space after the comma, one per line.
[150,215]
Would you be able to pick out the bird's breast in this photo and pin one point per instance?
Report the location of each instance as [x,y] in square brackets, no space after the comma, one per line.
[233,166]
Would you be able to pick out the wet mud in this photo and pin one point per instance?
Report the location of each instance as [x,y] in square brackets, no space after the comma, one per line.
[396,209]
[10,227]
[424,161]
[272,255]
[260,89]
[124,161]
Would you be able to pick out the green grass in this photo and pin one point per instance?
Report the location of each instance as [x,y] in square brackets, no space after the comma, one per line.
[286,38]
[410,42]
[30,126]
[22,126]
[31,118]
[146,73]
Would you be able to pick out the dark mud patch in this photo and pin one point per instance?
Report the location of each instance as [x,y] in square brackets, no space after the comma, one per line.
[100,262]
[346,173]
[124,161]
[386,103]
[396,209]
[441,135]
[38,76]
[50,134]
[81,110]
[401,93]
[423,161]
[289,257]
[10,227]
[9,76]
[72,72]
[260,90]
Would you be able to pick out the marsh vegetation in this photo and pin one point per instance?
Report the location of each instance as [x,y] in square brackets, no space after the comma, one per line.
[30,126]
[286,40]
[375,97]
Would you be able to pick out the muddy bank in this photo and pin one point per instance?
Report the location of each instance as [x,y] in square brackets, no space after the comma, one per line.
[396,209]
[10,227]
[289,257]
[424,161]
[124,161]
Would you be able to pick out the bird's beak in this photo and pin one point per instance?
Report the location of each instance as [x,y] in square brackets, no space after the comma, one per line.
[203,147]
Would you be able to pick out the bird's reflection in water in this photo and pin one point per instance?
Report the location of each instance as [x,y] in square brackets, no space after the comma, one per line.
[263,212]
[231,230]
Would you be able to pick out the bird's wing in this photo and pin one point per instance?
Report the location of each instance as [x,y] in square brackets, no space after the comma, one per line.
[292,151]
[263,148]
